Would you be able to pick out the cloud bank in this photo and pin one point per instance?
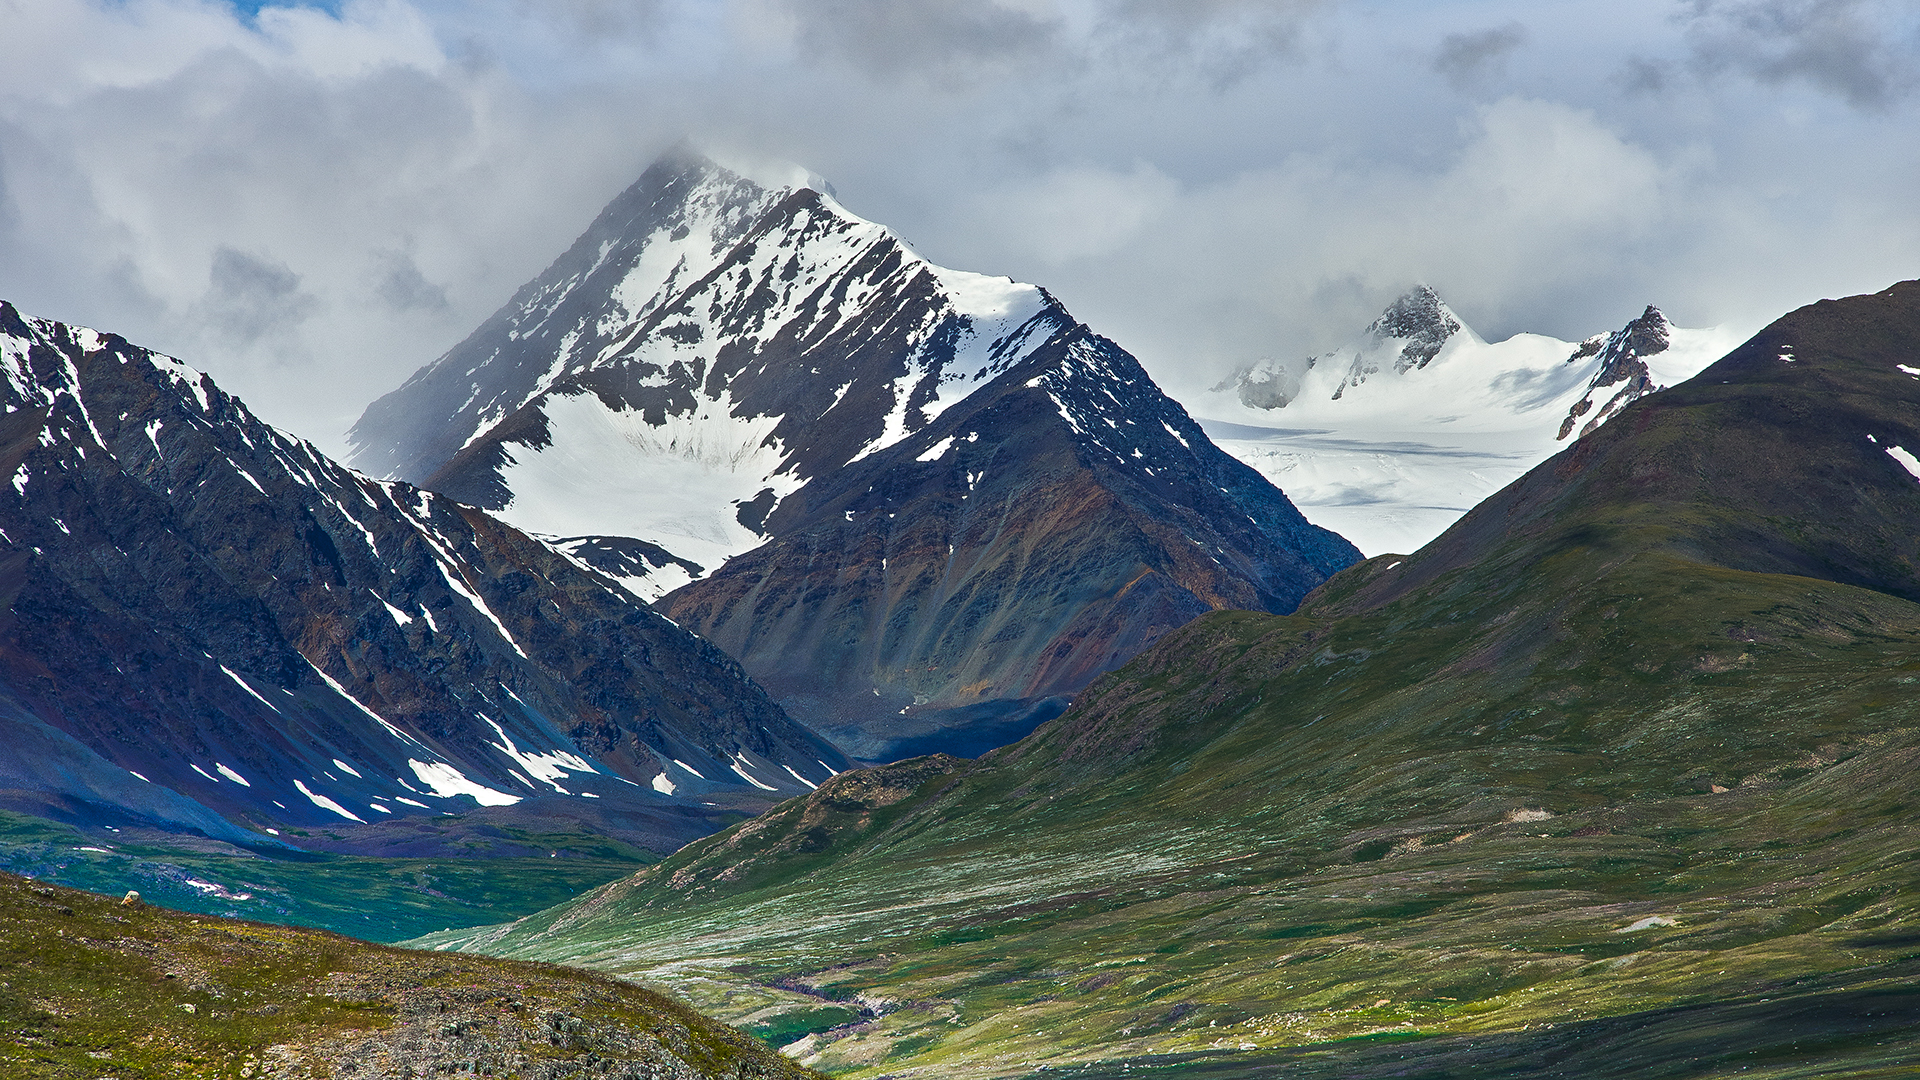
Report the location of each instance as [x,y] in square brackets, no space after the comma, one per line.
[310,202]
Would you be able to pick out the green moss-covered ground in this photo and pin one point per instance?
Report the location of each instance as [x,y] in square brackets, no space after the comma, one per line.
[91,987]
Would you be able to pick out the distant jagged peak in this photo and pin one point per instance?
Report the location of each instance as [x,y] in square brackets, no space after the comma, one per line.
[1620,357]
[1408,335]
[1420,322]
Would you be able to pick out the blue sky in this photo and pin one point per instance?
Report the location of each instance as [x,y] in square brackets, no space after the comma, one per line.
[251,7]
[312,201]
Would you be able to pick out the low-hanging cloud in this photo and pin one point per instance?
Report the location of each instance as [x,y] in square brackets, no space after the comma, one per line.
[942,39]
[250,297]
[1464,57]
[1865,51]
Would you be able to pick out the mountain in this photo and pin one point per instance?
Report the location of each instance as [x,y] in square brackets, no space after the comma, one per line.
[1391,438]
[923,507]
[207,625]
[1608,780]
[93,986]
[707,347]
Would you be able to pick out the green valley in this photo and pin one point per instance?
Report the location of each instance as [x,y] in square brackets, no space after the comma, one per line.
[1627,750]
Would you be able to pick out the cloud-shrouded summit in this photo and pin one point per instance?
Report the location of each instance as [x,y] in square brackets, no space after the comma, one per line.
[311,200]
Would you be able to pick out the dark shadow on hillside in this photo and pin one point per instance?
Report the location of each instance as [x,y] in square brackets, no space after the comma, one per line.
[1794,1032]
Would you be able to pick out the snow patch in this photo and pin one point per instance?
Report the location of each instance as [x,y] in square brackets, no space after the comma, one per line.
[230,774]
[342,691]
[608,472]
[663,785]
[243,685]
[447,782]
[548,767]
[325,803]
[400,618]
[740,760]
[1648,923]
[1907,461]
[937,450]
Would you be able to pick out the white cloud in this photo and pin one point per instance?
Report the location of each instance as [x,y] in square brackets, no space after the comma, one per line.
[1076,213]
[311,206]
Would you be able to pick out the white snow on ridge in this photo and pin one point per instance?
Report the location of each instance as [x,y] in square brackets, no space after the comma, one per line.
[609,473]
[1907,460]
[548,767]
[325,803]
[382,721]
[243,685]
[447,781]
[740,763]
[1399,457]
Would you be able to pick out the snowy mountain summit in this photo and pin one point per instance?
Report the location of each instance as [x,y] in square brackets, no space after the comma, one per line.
[1621,358]
[708,346]
[909,500]
[1392,437]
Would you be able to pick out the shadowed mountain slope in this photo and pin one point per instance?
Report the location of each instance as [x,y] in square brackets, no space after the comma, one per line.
[1040,532]
[207,625]
[1625,748]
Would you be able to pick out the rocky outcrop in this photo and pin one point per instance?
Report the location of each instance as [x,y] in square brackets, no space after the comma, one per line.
[1622,359]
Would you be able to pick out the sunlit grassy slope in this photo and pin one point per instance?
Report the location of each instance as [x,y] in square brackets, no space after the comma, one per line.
[94,988]
[1613,778]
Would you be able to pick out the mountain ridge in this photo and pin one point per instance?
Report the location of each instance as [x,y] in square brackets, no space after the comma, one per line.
[209,624]
[815,361]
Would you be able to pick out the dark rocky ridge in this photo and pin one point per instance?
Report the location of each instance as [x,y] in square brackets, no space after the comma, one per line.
[1622,356]
[1041,532]
[1422,320]
[186,588]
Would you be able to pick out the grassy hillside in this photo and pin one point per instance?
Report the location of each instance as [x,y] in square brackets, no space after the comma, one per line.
[91,987]
[1613,778]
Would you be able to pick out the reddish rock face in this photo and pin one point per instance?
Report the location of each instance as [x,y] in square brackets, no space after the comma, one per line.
[1044,531]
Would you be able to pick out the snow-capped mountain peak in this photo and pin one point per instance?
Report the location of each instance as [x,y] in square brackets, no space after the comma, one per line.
[705,349]
[1621,358]
[1390,439]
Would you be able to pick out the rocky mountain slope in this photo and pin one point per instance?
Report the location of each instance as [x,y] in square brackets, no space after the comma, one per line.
[91,986]
[1390,439]
[1614,766]
[209,626]
[961,505]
